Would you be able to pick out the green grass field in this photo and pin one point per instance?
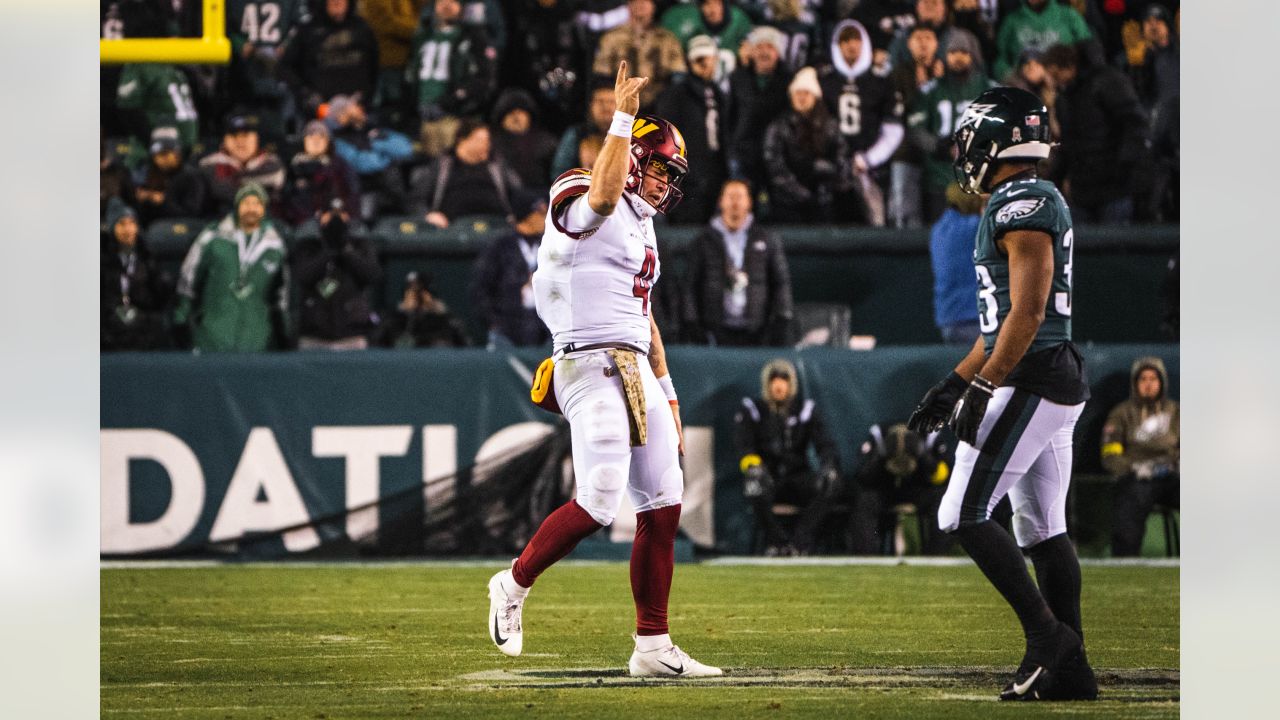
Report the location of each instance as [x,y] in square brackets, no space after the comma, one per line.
[398,641]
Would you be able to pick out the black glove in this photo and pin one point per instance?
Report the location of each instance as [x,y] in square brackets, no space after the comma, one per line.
[934,409]
[972,405]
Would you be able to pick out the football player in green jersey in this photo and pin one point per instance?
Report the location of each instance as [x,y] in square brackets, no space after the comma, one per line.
[1013,401]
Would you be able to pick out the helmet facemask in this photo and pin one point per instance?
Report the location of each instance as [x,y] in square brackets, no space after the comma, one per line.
[643,161]
[971,163]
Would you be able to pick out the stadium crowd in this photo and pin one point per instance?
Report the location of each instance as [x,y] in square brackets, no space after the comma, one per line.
[334,114]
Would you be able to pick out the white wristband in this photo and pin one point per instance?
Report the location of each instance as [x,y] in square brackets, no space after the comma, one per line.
[668,387]
[622,123]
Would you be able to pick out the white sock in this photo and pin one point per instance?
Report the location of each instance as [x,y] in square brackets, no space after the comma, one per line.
[513,588]
[649,643]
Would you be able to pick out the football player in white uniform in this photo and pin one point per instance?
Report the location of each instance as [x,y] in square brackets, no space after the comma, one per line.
[596,266]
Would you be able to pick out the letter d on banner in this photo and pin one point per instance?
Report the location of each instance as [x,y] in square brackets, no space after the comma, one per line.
[185,478]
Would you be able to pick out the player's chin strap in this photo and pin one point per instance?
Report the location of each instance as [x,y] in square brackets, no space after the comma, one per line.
[640,205]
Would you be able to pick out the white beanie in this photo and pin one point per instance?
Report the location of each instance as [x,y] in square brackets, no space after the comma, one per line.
[806,79]
[771,35]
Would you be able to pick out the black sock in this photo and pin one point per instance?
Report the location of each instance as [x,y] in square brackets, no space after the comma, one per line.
[1058,573]
[1000,559]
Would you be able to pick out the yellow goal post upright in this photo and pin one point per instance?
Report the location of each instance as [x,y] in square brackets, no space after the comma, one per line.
[212,48]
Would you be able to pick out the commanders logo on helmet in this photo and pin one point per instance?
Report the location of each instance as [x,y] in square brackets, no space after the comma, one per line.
[654,140]
[1001,124]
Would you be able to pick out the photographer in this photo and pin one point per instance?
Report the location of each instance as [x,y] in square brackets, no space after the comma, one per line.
[422,320]
[334,272]
[774,434]
[898,467]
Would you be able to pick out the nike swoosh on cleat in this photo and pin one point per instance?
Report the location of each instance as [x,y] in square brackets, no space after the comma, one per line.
[1022,688]
[678,671]
[496,634]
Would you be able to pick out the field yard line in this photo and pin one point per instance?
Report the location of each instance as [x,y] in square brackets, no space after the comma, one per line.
[735,561]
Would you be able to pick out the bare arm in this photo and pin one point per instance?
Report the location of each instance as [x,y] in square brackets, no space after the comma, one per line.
[657,353]
[972,363]
[609,175]
[658,361]
[1030,279]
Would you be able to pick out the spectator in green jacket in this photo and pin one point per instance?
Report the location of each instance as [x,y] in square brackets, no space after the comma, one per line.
[721,21]
[1038,24]
[452,71]
[234,286]
[931,121]
[152,95]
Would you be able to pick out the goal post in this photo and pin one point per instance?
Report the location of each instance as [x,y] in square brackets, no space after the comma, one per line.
[213,48]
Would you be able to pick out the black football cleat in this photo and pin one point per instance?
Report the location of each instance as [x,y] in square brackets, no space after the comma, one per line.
[1074,680]
[1031,682]
[1037,679]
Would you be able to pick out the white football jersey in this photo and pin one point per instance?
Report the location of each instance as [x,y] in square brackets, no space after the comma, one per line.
[593,286]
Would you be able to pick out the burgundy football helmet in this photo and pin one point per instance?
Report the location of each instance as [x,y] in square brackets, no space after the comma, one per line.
[656,140]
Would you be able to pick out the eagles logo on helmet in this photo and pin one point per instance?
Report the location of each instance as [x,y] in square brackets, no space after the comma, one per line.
[1001,124]
[656,140]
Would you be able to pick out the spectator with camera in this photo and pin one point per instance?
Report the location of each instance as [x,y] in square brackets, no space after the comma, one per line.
[133,294]
[1141,449]
[166,187]
[334,273]
[421,320]
[373,151]
[898,467]
[317,175]
[233,291]
[774,434]
[738,279]
[502,287]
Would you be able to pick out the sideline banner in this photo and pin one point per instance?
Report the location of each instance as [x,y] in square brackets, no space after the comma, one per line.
[440,451]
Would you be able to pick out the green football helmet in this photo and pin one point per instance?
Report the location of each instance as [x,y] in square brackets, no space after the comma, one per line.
[1001,124]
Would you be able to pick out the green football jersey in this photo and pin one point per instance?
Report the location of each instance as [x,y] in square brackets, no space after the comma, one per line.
[1029,204]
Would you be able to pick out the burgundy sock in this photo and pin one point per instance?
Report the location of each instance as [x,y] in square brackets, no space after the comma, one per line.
[556,537]
[653,556]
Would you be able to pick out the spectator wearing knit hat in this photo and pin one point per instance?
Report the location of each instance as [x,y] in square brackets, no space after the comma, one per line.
[240,159]
[317,177]
[696,105]
[233,289]
[166,187]
[374,152]
[133,294]
[757,94]
[806,160]
[931,121]
[519,139]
